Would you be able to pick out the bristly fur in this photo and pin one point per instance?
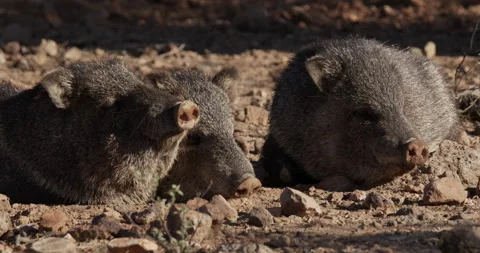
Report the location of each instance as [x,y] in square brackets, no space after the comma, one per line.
[342,108]
[79,136]
[210,162]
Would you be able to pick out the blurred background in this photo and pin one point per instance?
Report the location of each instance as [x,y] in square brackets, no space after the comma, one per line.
[233,26]
[257,37]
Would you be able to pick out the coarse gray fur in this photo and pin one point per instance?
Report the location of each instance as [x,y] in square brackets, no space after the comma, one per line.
[210,162]
[88,133]
[344,107]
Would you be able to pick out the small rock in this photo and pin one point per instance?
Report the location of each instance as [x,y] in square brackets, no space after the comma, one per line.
[53,245]
[12,47]
[416,51]
[197,225]
[294,202]
[99,52]
[4,203]
[445,190]
[54,220]
[357,196]
[196,202]
[377,201]
[219,209]
[144,217]
[102,227]
[256,115]
[335,197]
[430,49]
[73,54]
[49,47]
[109,212]
[260,217]
[415,211]
[131,245]
[40,58]
[5,223]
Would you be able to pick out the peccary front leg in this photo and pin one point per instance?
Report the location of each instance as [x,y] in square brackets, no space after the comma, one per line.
[281,169]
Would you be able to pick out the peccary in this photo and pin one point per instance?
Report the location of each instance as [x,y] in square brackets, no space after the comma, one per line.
[90,133]
[210,162]
[354,113]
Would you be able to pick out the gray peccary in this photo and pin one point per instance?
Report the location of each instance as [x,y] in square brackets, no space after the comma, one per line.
[90,133]
[210,162]
[358,110]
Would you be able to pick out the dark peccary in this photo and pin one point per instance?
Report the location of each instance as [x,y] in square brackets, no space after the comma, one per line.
[90,133]
[358,110]
[210,162]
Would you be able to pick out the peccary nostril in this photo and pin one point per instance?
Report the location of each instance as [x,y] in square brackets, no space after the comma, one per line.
[187,115]
[247,187]
[416,152]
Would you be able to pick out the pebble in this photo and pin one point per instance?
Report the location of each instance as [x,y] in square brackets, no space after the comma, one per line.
[378,202]
[131,245]
[219,209]
[54,220]
[49,47]
[445,190]
[4,203]
[5,223]
[144,217]
[73,54]
[294,202]
[198,225]
[357,196]
[430,49]
[260,217]
[12,47]
[53,245]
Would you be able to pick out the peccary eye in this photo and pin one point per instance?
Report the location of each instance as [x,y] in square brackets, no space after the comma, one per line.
[366,115]
[194,139]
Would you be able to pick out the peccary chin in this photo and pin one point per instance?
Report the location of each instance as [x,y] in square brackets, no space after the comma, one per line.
[88,142]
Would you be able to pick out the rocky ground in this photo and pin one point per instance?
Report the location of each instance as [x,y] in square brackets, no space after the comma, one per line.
[429,210]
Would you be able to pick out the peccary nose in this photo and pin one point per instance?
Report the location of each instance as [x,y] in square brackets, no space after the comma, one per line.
[187,115]
[416,152]
[248,186]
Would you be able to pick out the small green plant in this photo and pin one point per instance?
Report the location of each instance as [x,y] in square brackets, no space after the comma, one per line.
[181,242]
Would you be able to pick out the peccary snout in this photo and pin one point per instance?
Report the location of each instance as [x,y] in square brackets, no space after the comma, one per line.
[247,187]
[187,115]
[416,153]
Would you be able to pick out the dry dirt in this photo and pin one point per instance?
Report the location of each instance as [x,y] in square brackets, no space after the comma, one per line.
[258,39]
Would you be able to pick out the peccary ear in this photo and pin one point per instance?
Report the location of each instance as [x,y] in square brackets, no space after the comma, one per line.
[320,69]
[58,84]
[164,82]
[227,79]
